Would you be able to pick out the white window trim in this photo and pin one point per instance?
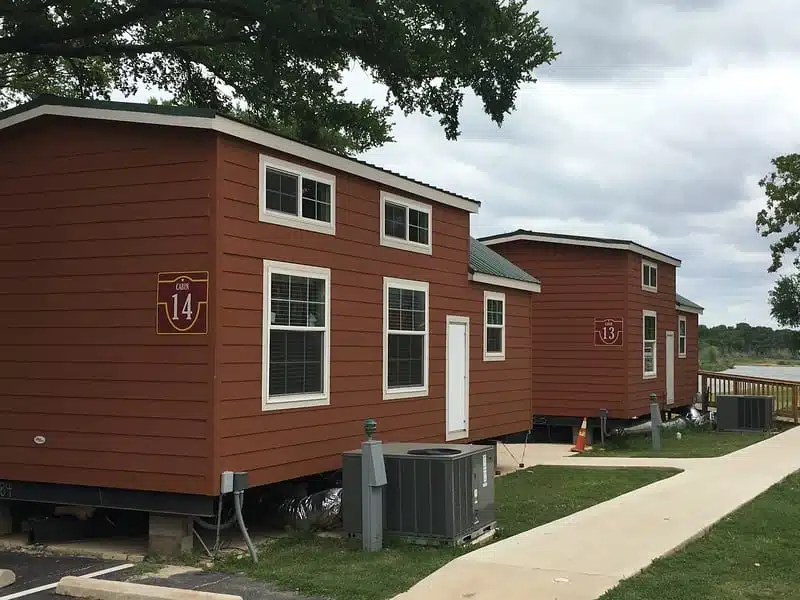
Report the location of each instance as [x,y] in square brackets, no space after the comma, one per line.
[296,400]
[684,337]
[648,288]
[297,221]
[393,242]
[654,373]
[412,392]
[493,356]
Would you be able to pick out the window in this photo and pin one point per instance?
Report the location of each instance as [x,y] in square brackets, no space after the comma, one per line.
[649,276]
[494,330]
[681,337]
[649,344]
[296,196]
[296,353]
[405,224]
[405,346]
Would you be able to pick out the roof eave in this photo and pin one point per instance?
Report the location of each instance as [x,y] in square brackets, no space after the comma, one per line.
[621,245]
[689,309]
[239,130]
[514,284]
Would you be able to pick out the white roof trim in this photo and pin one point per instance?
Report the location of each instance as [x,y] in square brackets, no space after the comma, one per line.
[504,282]
[688,309]
[250,134]
[630,246]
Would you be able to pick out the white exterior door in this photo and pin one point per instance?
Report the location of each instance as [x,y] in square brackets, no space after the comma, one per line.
[457,378]
[670,355]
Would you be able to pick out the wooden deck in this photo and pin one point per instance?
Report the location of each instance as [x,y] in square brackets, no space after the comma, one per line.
[786,393]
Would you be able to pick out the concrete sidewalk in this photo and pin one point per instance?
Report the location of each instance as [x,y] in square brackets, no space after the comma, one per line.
[583,555]
[509,455]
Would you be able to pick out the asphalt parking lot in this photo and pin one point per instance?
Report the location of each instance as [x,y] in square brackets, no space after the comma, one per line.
[38,575]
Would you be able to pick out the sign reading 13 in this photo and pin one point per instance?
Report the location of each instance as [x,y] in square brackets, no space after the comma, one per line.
[608,332]
[182,303]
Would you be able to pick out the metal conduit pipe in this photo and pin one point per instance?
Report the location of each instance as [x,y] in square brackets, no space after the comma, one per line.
[238,501]
[218,526]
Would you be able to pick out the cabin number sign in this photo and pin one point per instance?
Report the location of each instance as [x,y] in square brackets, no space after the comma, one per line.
[608,332]
[182,303]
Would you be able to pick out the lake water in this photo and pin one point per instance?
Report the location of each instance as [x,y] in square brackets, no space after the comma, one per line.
[778,372]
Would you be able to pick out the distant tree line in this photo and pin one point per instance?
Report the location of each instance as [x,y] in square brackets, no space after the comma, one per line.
[723,346]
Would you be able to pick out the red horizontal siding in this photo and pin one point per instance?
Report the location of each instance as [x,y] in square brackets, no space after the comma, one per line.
[686,368]
[663,303]
[290,443]
[90,212]
[570,375]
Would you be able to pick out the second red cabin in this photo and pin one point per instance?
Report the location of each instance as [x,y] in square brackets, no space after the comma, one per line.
[609,331]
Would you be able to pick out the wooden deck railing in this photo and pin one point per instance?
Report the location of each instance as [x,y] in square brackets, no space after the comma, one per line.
[786,393]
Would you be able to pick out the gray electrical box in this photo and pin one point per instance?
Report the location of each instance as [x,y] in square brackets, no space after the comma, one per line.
[435,493]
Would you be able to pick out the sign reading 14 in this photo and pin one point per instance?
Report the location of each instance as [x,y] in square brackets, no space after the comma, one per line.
[186,310]
[182,303]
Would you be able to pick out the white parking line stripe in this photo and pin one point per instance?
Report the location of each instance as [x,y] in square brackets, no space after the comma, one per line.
[50,586]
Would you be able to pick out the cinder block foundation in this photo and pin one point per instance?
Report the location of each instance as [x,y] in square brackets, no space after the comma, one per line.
[170,535]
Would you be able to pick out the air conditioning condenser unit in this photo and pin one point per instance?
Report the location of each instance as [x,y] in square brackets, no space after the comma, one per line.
[745,413]
[435,493]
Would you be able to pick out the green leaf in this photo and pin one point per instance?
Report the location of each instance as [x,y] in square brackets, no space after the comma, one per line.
[279,63]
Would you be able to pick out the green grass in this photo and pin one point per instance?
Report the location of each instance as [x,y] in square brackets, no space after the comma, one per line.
[751,554]
[694,443]
[337,569]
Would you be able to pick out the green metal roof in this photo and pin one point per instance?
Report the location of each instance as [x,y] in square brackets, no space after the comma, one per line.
[483,259]
[681,301]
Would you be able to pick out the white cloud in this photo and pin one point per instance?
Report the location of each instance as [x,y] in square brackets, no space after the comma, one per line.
[654,125]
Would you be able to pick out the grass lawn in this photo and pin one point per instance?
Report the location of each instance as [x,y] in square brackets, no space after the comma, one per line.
[337,569]
[751,554]
[694,443]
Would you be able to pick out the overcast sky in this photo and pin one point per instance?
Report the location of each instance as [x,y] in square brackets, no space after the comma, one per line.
[654,125]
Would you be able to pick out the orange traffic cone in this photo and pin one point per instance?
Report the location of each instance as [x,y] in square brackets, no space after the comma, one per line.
[580,443]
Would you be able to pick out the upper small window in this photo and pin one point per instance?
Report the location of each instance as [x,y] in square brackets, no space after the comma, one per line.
[405,224]
[494,331]
[295,196]
[649,276]
[681,337]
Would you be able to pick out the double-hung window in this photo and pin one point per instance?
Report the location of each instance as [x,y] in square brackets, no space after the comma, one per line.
[681,337]
[296,350]
[649,369]
[649,276]
[405,344]
[296,196]
[405,224]
[494,330]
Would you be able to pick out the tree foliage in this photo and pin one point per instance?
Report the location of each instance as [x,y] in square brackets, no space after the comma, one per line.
[722,347]
[279,63]
[746,340]
[782,217]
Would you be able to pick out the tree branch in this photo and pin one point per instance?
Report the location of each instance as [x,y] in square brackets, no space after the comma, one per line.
[102,49]
[29,42]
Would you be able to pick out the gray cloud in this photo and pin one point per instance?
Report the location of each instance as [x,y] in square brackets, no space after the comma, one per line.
[637,39]
[655,125]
